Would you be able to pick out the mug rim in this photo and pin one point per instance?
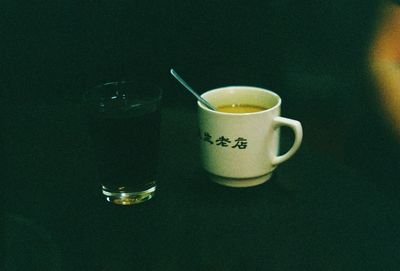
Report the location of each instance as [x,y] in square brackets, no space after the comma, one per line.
[250,88]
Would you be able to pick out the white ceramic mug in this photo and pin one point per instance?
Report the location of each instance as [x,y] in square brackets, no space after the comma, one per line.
[242,149]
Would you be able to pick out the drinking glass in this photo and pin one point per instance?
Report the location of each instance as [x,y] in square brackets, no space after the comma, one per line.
[124,129]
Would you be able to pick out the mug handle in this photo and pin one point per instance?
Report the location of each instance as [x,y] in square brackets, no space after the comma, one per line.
[298,136]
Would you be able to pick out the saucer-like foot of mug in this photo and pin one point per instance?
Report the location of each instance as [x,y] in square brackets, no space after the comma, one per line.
[240,182]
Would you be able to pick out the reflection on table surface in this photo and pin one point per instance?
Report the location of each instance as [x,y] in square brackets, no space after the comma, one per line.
[314,214]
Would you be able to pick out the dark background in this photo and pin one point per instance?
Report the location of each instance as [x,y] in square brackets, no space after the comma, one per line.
[309,52]
[73,45]
[312,53]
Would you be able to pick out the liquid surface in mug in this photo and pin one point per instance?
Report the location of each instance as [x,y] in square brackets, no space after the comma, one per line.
[240,108]
[126,149]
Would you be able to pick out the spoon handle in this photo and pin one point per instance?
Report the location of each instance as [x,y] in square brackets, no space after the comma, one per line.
[203,101]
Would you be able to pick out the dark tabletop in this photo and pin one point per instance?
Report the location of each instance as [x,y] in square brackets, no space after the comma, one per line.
[314,214]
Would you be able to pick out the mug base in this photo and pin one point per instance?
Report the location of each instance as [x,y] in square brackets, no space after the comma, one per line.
[236,182]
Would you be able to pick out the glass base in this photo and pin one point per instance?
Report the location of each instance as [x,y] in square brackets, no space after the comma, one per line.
[129,198]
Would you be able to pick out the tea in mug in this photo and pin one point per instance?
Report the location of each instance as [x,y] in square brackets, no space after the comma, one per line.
[240,108]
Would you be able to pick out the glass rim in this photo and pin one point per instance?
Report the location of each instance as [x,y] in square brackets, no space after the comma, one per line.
[87,94]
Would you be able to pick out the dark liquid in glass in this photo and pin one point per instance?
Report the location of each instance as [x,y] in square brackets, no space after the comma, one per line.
[126,147]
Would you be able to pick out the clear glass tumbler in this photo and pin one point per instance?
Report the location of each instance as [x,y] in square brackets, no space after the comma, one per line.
[124,128]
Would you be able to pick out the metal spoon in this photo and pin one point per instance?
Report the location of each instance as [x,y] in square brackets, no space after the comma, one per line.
[199,98]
